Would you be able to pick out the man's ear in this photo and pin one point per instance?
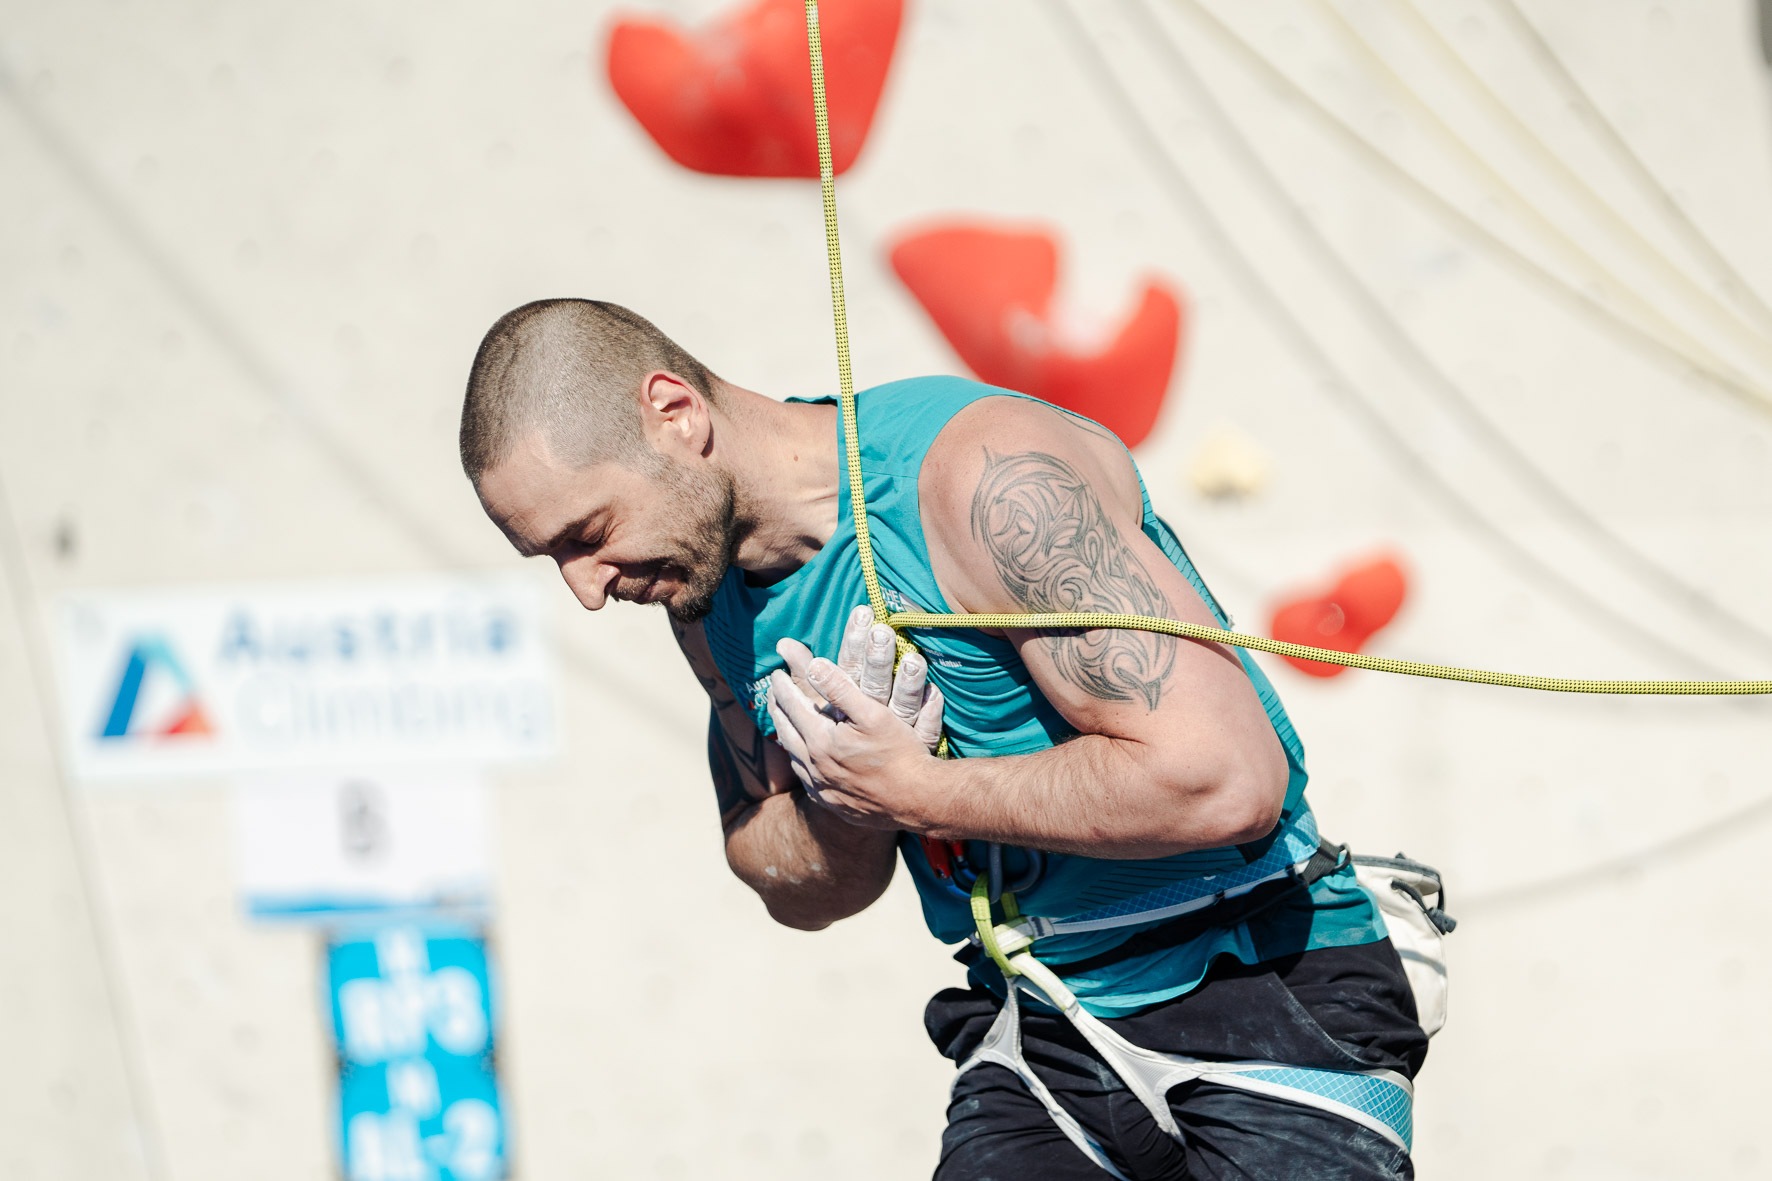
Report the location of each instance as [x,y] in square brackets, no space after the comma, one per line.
[674,415]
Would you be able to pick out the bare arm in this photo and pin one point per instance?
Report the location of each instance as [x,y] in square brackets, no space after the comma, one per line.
[1025,511]
[809,867]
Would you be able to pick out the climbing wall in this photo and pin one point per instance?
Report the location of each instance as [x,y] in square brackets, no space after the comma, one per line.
[1407,374]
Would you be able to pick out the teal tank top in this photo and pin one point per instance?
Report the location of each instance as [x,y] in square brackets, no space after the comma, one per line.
[994,708]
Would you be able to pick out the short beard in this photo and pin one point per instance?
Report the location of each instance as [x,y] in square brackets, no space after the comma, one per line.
[714,533]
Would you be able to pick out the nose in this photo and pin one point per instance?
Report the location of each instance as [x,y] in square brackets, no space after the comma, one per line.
[588,579]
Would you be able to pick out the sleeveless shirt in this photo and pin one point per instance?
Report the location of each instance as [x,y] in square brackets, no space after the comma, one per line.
[994,708]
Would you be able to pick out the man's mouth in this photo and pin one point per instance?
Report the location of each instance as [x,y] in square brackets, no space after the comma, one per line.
[643,593]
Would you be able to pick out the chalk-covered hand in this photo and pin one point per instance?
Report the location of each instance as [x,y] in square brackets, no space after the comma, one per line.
[865,656]
[864,753]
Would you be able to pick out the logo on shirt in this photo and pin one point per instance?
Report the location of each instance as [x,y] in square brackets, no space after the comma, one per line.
[759,690]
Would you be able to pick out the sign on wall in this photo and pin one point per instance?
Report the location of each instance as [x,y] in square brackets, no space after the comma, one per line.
[413,1017]
[317,845]
[437,668]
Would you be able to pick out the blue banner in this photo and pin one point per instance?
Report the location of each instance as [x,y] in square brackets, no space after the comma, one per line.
[413,1017]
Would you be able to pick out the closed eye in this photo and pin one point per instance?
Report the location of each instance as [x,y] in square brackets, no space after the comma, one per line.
[564,541]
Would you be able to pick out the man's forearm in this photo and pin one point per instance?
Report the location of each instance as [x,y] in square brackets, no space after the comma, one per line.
[1098,796]
[809,867]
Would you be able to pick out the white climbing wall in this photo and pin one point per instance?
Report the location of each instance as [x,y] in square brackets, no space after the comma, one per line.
[246,252]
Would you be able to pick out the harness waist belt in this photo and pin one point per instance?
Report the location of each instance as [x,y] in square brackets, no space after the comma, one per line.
[1287,857]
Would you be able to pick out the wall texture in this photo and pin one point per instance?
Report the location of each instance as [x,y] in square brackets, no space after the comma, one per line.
[247,251]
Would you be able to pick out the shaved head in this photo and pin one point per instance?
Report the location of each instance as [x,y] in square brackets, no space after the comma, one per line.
[572,371]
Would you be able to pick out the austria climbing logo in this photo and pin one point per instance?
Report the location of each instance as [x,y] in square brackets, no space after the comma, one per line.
[155,696]
[202,681]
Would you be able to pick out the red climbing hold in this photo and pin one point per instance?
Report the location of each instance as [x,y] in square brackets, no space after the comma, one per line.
[990,290]
[734,97]
[1342,619]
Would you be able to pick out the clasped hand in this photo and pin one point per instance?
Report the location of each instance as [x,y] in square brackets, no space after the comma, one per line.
[864,751]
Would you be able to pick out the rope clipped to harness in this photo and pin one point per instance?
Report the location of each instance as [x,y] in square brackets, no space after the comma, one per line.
[987,926]
[999,942]
[1008,946]
[905,620]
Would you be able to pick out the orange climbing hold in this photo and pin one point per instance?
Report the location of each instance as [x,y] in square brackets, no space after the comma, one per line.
[734,97]
[990,292]
[1344,618]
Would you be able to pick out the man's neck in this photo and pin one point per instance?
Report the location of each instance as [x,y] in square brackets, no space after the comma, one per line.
[785,470]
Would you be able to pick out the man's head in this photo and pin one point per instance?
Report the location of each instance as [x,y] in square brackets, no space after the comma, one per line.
[586,432]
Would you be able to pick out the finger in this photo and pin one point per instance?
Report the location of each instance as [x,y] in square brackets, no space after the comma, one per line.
[800,711]
[855,641]
[796,654]
[876,667]
[798,760]
[907,690]
[928,723]
[798,657]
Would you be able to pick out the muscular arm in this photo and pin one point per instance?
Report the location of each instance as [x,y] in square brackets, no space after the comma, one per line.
[809,867]
[1026,511]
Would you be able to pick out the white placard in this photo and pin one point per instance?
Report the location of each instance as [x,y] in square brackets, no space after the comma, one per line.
[320,845]
[436,668]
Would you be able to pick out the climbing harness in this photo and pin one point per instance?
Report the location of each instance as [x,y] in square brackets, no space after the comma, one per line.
[1413,901]
[1380,1100]
[1408,893]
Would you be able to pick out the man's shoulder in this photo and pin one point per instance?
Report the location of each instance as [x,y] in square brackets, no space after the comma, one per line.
[1016,456]
[938,399]
[1009,425]
[901,420]
[1019,418]
[926,385]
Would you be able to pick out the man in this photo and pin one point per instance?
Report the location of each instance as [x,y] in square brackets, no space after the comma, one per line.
[1099,769]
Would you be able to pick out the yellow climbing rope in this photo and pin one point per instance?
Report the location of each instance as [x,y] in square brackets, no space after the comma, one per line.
[1383,664]
[827,183]
[909,620]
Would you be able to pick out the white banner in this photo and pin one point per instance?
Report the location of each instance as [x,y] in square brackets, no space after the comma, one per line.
[426,669]
[317,845]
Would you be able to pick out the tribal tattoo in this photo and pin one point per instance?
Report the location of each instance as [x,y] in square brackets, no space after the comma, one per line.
[1056,549]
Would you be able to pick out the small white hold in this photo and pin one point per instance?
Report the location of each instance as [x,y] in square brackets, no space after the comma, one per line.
[1229,465]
